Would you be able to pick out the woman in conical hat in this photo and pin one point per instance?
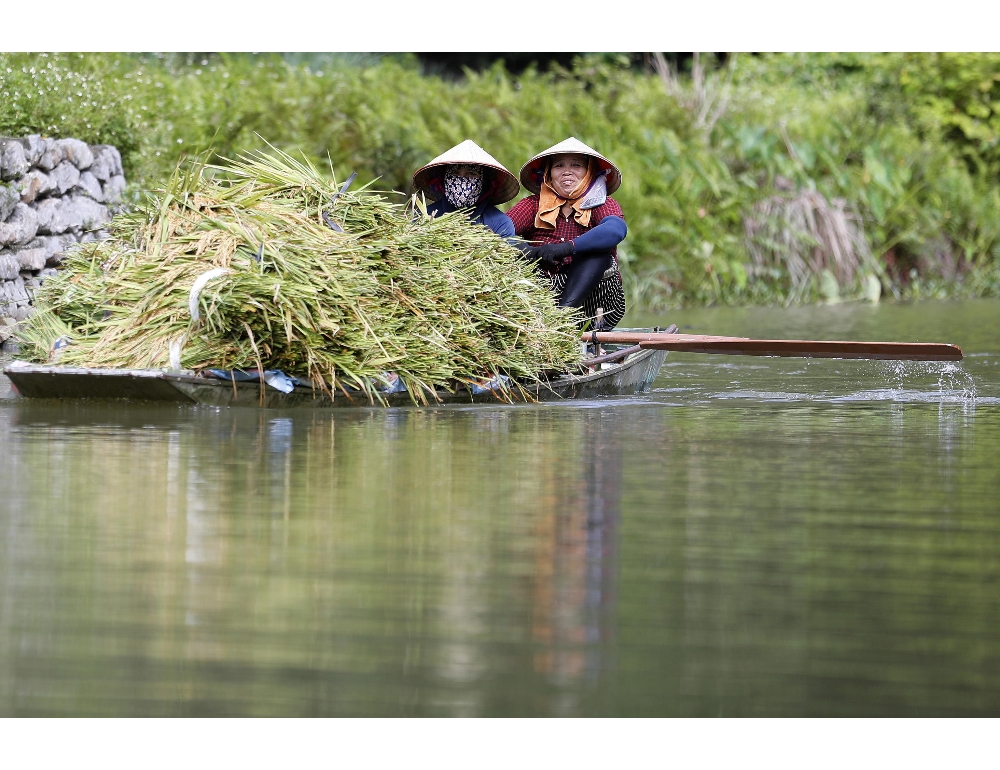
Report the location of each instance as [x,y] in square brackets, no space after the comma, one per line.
[468,177]
[575,227]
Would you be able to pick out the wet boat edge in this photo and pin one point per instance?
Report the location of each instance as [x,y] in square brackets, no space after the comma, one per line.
[39,381]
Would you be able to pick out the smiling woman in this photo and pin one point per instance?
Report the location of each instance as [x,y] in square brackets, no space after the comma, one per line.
[566,172]
[576,228]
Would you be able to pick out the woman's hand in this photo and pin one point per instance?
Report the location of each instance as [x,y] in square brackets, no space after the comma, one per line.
[553,254]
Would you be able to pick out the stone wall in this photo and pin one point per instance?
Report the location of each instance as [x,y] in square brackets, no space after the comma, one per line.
[53,193]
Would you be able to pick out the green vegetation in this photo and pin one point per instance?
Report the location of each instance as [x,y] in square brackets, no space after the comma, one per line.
[247,271]
[781,178]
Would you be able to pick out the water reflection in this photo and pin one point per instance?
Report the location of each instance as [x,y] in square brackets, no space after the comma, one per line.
[573,593]
[796,550]
[237,546]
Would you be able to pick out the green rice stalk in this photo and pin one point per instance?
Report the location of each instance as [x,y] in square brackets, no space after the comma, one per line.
[437,301]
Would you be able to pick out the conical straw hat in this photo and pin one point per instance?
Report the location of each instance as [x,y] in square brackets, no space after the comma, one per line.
[466,152]
[532,171]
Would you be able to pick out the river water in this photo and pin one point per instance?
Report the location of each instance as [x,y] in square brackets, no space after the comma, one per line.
[755,537]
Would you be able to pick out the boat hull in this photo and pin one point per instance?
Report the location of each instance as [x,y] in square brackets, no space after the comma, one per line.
[633,376]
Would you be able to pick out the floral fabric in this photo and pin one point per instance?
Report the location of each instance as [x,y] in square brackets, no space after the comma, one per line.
[463,191]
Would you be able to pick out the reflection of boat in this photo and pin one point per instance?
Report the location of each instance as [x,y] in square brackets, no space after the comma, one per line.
[627,371]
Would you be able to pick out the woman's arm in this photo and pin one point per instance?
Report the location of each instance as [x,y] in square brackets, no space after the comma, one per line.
[498,222]
[603,237]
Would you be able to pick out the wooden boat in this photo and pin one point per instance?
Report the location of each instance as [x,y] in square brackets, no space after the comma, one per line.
[622,371]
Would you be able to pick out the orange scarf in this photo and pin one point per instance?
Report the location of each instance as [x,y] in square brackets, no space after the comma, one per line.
[550,202]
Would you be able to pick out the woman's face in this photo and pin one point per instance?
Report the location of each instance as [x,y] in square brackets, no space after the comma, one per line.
[567,171]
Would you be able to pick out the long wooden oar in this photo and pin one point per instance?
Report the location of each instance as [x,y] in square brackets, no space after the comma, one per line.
[743,346]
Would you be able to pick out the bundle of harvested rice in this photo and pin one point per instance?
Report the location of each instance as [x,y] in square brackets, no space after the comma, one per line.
[238,267]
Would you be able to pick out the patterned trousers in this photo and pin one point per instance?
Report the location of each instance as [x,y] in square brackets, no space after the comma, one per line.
[609,295]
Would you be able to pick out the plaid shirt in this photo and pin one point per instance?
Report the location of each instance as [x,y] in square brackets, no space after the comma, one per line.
[523,217]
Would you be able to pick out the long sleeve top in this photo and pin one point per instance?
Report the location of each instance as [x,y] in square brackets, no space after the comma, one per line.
[489,216]
[607,227]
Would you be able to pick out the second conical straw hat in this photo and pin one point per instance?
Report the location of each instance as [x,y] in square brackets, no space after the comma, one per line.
[534,169]
[466,152]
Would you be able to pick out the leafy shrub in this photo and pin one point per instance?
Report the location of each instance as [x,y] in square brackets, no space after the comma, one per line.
[904,144]
[79,95]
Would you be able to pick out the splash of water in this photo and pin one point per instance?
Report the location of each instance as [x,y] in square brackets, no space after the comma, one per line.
[953,382]
[954,378]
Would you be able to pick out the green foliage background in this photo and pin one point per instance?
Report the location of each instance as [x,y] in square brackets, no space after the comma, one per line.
[911,142]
